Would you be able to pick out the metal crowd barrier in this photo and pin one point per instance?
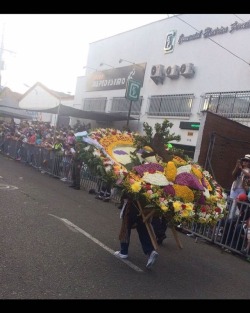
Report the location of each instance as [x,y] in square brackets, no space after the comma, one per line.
[52,163]
[230,233]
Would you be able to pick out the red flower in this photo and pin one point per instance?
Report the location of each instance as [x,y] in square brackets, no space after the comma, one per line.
[218,210]
[148,187]
[203,209]
[151,171]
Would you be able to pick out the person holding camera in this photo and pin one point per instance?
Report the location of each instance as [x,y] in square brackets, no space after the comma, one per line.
[241,175]
[240,185]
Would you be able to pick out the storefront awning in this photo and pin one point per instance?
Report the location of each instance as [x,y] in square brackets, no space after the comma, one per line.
[6,111]
[65,110]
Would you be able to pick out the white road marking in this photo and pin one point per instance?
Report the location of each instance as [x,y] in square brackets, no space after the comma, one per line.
[8,187]
[73,227]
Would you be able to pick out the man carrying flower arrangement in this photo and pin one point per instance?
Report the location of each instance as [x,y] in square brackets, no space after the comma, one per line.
[131,218]
[157,176]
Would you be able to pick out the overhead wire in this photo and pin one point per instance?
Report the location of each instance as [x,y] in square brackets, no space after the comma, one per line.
[239,18]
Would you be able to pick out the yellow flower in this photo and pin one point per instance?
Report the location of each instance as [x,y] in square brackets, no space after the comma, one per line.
[189,206]
[147,148]
[163,207]
[197,172]
[207,184]
[177,206]
[170,171]
[136,187]
[185,213]
[202,220]
[179,161]
[213,198]
[113,139]
[184,192]
[133,176]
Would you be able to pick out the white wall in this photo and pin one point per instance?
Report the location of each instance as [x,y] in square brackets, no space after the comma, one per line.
[216,69]
[38,98]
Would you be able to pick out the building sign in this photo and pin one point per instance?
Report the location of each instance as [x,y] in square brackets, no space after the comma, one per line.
[190,125]
[116,78]
[210,32]
[133,90]
[170,41]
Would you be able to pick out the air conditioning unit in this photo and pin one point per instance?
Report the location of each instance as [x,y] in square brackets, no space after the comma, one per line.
[173,72]
[157,73]
[187,70]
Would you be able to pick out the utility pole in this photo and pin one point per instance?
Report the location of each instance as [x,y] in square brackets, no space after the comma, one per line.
[1,55]
[1,58]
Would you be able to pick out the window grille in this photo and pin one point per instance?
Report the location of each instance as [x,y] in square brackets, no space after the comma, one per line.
[170,105]
[235,104]
[122,105]
[94,104]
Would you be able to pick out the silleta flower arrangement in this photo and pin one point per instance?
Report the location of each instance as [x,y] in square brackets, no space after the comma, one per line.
[149,169]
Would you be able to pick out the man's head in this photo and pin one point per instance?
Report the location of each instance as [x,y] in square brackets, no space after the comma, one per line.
[246,158]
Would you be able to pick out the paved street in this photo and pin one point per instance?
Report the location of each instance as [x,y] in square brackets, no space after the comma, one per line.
[58,243]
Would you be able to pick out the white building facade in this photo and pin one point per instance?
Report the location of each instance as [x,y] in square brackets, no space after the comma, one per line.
[185,64]
[41,97]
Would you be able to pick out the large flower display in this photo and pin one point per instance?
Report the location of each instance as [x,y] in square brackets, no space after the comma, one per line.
[161,178]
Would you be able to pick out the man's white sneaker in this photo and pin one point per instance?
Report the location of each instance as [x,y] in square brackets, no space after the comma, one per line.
[119,255]
[190,235]
[152,258]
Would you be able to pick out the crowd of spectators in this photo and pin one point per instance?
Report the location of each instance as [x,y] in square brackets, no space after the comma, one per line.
[41,134]
[38,133]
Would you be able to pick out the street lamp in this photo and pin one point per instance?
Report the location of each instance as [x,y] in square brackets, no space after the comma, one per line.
[101,64]
[122,60]
[92,68]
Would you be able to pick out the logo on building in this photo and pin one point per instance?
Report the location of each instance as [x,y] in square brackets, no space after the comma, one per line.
[133,90]
[170,41]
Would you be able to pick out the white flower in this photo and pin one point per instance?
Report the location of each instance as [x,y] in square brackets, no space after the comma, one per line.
[222,205]
[157,178]
[123,158]
[184,169]
[206,193]
[108,168]
[97,153]
[206,174]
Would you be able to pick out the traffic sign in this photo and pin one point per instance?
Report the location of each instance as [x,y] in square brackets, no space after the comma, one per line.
[133,90]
